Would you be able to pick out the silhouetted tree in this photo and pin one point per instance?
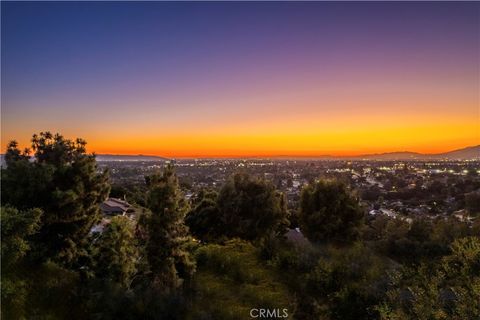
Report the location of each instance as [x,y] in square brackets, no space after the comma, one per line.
[204,219]
[251,208]
[63,181]
[167,234]
[329,212]
[472,202]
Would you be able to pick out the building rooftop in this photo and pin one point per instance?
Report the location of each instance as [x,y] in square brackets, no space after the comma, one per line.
[114,205]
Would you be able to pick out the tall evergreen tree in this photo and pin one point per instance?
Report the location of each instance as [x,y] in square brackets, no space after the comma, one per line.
[63,181]
[116,253]
[167,234]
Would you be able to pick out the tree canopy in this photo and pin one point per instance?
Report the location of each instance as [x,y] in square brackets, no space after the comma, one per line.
[166,231]
[251,208]
[63,181]
[329,212]
[204,218]
[146,265]
[116,253]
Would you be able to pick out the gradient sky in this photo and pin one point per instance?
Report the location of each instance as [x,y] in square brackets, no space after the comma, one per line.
[242,79]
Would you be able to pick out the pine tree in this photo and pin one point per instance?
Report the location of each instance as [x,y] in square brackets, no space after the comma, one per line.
[63,181]
[116,252]
[167,234]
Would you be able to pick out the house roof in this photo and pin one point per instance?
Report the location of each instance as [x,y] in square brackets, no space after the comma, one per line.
[113,204]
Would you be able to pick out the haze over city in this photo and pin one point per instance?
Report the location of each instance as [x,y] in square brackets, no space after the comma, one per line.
[243,79]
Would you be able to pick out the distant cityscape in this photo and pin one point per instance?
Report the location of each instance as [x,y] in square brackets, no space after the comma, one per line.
[402,185]
[404,189]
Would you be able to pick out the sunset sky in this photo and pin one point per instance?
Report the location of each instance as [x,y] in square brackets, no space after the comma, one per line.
[243,79]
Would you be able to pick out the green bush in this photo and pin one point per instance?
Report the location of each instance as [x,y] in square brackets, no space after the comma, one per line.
[232,279]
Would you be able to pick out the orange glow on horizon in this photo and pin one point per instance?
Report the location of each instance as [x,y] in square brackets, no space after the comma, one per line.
[340,144]
[300,137]
[306,79]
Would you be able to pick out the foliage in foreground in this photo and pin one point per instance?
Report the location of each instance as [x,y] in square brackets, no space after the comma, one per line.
[61,180]
[231,279]
[449,289]
[53,267]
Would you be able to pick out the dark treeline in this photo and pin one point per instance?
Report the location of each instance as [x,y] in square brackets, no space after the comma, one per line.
[221,253]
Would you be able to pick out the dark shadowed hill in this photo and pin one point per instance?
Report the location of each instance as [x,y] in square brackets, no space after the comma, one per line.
[465,153]
[459,154]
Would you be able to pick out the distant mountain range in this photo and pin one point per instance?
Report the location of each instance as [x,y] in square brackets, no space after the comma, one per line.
[467,153]
[459,154]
